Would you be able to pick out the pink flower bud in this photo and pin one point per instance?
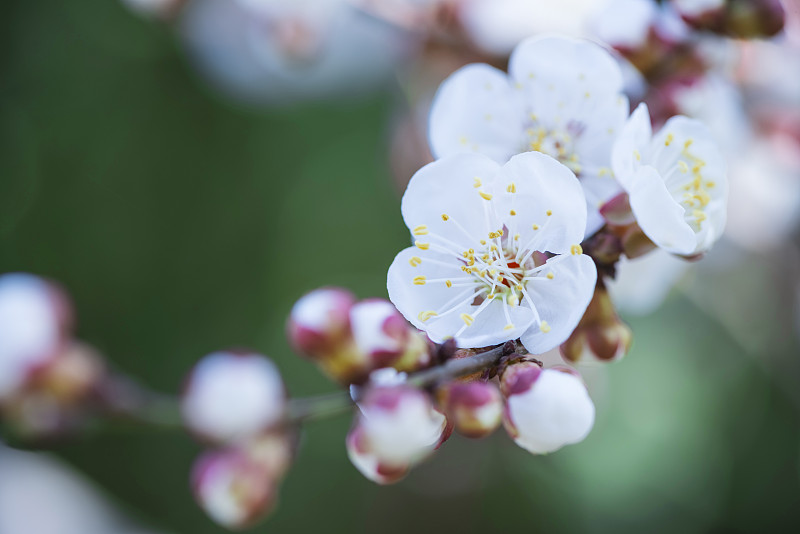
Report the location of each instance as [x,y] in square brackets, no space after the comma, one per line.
[601,335]
[35,317]
[320,321]
[475,408]
[545,409]
[385,338]
[231,397]
[397,428]
[233,488]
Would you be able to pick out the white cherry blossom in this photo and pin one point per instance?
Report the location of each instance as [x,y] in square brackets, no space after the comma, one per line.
[676,180]
[496,253]
[561,96]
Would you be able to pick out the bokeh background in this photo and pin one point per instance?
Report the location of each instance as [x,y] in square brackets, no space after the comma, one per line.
[182,222]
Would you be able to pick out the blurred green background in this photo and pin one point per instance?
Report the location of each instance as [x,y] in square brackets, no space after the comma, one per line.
[182,224]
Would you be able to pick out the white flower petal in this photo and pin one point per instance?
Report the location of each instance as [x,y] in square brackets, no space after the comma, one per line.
[632,140]
[475,110]
[560,301]
[562,68]
[658,214]
[444,199]
[541,185]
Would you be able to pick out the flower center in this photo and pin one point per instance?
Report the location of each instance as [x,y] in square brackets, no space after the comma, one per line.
[688,186]
[558,143]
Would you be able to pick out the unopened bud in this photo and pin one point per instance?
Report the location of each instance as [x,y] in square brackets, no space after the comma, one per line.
[475,408]
[545,409]
[744,19]
[35,317]
[320,321]
[367,463]
[232,397]
[233,488]
[396,428]
[600,335]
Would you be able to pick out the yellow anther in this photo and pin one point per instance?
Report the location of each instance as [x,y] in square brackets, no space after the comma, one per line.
[703,198]
[492,272]
[415,261]
[518,287]
[477,182]
[637,155]
[422,246]
[516,237]
[485,257]
[419,280]
[576,249]
[467,318]
[513,301]
[494,248]
[550,276]
[471,262]
[483,241]
[549,212]
[508,327]
[448,283]
[699,215]
[511,188]
[484,195]
[682,166]
[544,327]
[535,226]
[710,184]
[445,217]
[482,273]
[604,171]
[471,251]
[420,230]
[587,94]
[669,139]
[463,140]
[688,143]
[512,213]
[425,315]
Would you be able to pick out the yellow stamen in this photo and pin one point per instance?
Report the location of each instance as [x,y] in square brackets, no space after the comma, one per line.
[511,188]
[419,280]
[484,195]
[415,261]
[422,246]
[544,327]
[425,315]
[420,230]
[575,250]
[445,217]
[477,183]
[467,318]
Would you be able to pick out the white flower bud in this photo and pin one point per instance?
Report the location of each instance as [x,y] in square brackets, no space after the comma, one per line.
[545,409]
[233,488]
[33,318]
[231,397]
[397,427]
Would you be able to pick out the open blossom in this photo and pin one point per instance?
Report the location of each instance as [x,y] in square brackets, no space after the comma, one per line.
[497,252]
[545,409]
[676,180]
[231,397]
[562,97]
[397,427]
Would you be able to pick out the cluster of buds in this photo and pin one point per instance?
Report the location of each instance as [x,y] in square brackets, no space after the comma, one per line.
[237,403]
[400,425]
[47,378]
[349,339]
